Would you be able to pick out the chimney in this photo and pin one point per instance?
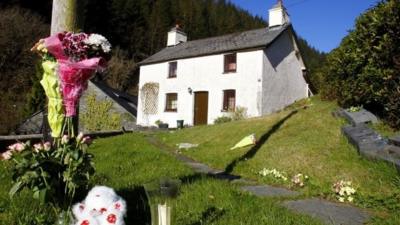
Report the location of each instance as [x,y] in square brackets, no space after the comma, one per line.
[278,15]
[176,36]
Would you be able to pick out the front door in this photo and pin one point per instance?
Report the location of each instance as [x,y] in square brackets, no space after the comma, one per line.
[200,108]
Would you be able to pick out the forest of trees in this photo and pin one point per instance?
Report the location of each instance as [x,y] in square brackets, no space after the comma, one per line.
[136,28]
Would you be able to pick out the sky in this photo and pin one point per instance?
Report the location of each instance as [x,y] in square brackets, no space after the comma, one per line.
[323,23]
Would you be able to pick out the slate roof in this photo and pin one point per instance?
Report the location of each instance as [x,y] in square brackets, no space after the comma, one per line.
[232,42]
[128,102]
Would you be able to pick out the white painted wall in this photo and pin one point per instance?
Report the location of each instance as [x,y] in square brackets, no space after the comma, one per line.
[204,74]
[283,81]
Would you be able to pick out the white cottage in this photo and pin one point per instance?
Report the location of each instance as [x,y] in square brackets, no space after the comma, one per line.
[199,81]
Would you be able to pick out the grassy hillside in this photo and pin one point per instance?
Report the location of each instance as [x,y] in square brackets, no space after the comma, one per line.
[293,141]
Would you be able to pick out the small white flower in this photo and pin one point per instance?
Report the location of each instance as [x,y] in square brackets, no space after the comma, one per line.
[341,199]
[100,41]
[350,199]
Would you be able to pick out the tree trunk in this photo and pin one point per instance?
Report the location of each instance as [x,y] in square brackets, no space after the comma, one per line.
[67,15]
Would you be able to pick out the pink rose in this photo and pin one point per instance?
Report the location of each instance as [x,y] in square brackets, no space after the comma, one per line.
[87,140]
[38,147]
[18,147]
[79,137]
[65,140]
[6,155]
[47,146]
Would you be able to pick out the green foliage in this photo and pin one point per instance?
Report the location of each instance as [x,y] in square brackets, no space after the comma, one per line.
[222,119]
[240,113]
[52,175]
[364,70]
[313,60]
[20,29]
[99,116]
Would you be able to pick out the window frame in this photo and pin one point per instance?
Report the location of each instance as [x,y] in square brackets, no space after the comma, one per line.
[226,63]
[169,104]
[172,75]
[225,100]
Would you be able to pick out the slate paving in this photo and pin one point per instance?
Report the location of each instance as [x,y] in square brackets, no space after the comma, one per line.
[269,191]
[395,141]
[328,212]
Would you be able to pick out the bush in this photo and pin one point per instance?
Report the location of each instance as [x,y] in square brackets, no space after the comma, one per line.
[222,119]
[240,113]
[99,116]
[20,29]
[364,70]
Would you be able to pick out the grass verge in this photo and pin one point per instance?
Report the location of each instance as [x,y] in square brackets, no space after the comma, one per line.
[307,141]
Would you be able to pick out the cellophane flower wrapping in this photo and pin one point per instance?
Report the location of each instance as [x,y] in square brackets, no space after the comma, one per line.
[75,67]
[51,86]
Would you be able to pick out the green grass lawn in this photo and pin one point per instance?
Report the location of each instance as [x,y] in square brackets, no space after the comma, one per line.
[308,141]
[128,162]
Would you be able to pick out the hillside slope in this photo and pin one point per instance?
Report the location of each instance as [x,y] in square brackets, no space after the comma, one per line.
[293,141]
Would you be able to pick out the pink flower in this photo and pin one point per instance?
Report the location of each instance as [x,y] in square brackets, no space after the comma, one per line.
[38,147]
[47,146]
[79,137]
[17,147]
[65,140]
[87,140]
[6,155]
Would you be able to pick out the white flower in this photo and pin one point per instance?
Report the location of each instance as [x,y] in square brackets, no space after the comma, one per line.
[341,199]
[100,41]
[350,199]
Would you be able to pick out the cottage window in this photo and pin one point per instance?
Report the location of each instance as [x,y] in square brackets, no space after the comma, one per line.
[230,63]
[171,102]
[229,100]
[173,67]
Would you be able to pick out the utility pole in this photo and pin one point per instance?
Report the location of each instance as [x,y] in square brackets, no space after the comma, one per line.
[67,15]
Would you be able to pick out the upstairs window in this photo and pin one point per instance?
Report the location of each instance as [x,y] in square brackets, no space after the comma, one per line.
[229,103]
[173,67]
[230,64]
[171,102]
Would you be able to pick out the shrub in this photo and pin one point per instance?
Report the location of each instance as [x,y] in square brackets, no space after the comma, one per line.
[222,119]
[240,113]
[364,69]
[99,115]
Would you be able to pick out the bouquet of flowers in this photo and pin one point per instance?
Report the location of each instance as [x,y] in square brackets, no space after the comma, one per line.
[69,61]
[54,172]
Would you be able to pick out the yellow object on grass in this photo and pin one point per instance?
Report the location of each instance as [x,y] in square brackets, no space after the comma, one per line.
[55,105]
[247,141]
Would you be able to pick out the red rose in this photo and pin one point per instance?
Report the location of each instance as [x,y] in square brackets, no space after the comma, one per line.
[85,222]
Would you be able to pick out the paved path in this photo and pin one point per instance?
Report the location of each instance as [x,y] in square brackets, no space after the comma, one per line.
[328,212]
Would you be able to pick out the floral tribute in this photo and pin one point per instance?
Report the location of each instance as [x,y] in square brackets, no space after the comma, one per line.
[344,191]
[55,172]
[102,206]
[69,62]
